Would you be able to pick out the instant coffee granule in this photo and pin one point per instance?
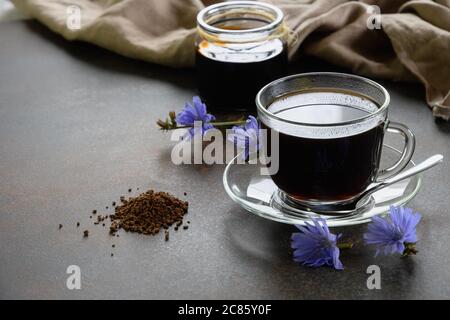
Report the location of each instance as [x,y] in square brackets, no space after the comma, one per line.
[148,213]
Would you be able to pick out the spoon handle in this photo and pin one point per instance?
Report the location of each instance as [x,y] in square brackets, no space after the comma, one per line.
[424,165]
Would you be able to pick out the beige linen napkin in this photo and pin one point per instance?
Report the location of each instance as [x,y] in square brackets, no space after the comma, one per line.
[412,41]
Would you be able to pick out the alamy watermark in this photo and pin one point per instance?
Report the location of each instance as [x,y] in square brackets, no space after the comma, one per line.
[73,281]
[374,280]
[212,148]
[374,20]
[73,20]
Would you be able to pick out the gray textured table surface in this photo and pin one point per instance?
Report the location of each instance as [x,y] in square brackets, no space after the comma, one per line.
[77,130]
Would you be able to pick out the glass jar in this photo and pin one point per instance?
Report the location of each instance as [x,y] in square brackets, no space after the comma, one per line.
[240,47]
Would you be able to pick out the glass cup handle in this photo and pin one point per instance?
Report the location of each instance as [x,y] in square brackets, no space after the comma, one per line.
[408,150]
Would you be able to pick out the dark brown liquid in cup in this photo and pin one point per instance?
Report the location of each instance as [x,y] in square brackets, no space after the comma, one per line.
[234,85]
[331,169]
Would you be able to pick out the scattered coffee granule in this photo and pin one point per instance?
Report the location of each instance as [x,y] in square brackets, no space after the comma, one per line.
[103,224]
[112,254]
[185,227]
[86,233]
[185,194]
[60,226]
[176,228]
[129,190]
[94,211]
[106,207]
[114,203]
[166,235]
[148,213]
[113,246]
[189,222]
[78,224]
[90,217]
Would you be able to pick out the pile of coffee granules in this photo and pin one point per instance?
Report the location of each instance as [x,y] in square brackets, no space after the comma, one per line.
[148,213]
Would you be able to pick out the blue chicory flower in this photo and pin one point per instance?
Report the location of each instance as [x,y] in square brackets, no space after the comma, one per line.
[315,245]
[395,233]
[195,112]
[247,137]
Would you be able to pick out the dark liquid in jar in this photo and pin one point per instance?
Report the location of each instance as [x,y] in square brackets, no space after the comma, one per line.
[231,81]
[327,169]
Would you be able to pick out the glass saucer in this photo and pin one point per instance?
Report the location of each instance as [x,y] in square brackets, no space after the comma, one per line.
[259,195]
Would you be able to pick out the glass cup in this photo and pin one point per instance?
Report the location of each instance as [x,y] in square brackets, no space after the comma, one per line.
[330,129]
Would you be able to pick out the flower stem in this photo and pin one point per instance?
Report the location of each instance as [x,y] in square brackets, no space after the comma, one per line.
[345,245]
[228,123]
[216,124]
